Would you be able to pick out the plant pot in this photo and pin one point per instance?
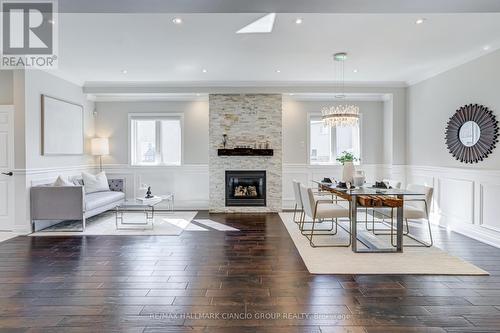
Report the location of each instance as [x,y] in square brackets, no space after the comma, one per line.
[348,172]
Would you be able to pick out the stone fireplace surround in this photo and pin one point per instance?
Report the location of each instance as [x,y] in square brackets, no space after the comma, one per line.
[245,118]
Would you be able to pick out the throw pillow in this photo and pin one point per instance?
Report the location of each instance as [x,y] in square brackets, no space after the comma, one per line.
[95,183]
[60,181]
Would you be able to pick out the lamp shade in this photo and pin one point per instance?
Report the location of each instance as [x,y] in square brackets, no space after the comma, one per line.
[99,146]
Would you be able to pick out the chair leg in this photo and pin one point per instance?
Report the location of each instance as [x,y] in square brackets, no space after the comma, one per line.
[312,233]
[385,223]
[421,242]
[294,213]
[326,232]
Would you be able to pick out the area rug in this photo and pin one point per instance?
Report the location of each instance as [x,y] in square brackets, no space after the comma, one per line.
[413,260]
[165,224]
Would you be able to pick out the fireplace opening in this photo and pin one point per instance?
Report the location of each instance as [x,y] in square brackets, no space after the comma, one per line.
[245,188]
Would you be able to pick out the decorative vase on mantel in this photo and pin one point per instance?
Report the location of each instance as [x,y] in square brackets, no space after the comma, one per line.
[348,172]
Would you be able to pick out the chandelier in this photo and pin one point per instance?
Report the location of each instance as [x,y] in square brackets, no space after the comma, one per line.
[343,114]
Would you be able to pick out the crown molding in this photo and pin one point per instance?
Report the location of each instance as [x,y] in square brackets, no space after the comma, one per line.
[191,97]
[236,87]
[273,6]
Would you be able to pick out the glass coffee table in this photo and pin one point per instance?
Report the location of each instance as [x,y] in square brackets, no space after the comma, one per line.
[134,206]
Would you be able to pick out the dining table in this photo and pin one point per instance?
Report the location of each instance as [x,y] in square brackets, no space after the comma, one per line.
[385,198]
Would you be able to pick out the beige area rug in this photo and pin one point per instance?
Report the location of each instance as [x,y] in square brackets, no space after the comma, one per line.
[165,224]
[330,260]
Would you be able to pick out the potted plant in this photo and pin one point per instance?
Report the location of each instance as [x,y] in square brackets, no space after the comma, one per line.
[347,160]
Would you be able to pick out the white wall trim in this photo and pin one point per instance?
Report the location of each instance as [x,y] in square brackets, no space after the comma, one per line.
[227,87]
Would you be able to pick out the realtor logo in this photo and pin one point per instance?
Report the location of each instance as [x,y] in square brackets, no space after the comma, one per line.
[28,34]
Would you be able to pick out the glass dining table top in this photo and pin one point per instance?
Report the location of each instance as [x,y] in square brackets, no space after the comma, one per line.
[368,190]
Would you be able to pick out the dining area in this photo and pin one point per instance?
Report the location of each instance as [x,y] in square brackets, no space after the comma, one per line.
[368,218]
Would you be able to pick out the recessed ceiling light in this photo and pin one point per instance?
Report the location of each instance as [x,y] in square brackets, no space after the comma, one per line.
[278,71]
[204,70]
[355,70]
[486,47]
[124,71]
[198,95]
[52,22]
[298,20]
[420,20]
[291,94]
[177,20]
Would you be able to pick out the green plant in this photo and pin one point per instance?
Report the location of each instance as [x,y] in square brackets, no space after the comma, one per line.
[347,157]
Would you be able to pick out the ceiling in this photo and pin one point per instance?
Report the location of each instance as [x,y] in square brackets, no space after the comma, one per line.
[388,48]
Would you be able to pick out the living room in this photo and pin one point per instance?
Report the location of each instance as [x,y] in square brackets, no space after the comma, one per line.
[223,158]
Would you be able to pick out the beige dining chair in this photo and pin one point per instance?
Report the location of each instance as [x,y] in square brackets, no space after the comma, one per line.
[392,183]
[418,209]
[298,208]
[322,209]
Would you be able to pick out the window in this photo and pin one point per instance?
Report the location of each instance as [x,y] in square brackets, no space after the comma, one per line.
[156,140]
[326,143]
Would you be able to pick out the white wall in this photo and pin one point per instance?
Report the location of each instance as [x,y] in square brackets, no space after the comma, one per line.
[30,166]
[432,102]
[112,122]
[38,83]
[388,133]
[189,181]
[295,130]
[466,195]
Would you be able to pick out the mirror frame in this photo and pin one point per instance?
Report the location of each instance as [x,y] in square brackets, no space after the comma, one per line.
[488,137]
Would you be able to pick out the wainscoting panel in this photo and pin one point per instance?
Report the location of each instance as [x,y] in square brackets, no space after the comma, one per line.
[4,193]
[465,200]
[456,200]
[489,206]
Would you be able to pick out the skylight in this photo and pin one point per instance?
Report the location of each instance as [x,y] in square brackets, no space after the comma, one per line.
[263,25]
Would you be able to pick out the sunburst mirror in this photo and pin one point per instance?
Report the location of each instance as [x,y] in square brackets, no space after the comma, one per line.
[472,133]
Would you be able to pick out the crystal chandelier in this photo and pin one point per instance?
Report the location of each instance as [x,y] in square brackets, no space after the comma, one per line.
[344,114]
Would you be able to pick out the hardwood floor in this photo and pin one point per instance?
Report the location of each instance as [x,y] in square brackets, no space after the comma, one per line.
[248,281]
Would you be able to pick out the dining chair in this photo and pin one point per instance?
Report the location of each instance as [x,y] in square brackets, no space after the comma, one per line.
[418,209]
[321,209]
[298,200]
[392,183]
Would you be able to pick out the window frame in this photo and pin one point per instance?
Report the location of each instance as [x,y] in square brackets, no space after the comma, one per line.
[156,117]
[308,133]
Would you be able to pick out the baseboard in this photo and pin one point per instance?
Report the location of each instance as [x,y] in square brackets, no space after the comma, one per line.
[476,232]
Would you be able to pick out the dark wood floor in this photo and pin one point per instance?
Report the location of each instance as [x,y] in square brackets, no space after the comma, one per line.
[248,281]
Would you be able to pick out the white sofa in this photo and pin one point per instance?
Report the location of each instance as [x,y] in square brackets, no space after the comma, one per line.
[52,204]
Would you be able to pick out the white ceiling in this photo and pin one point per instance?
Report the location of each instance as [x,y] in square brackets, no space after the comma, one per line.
[382,47]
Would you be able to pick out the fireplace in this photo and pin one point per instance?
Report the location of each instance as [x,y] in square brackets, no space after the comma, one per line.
[245,188]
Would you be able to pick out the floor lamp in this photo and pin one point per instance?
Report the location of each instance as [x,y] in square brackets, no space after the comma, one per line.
[100,147]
